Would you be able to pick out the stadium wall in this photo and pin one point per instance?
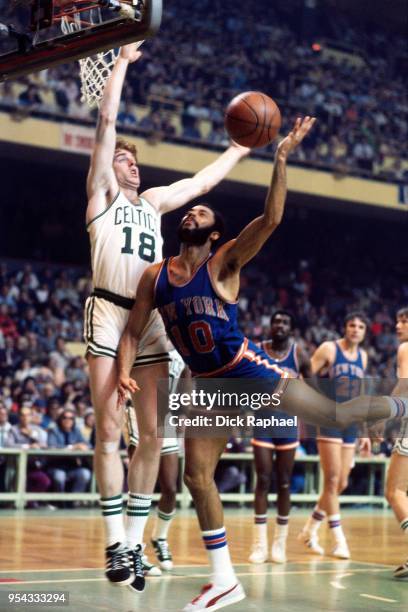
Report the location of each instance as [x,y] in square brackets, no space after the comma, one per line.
[78,139]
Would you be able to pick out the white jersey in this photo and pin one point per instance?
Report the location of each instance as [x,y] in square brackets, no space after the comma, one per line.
[125,240]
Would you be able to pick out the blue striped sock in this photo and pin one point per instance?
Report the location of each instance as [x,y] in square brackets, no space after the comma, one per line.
[215,542]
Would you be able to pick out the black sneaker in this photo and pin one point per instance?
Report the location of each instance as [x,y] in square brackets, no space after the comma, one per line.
[118,564]
[138,583]
[163,554]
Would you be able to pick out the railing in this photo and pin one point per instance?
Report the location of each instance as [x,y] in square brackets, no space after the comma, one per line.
[313,480]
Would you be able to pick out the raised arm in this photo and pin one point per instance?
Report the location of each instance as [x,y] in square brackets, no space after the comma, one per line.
[166,199]
[238,252]
[139,316]
[101,182]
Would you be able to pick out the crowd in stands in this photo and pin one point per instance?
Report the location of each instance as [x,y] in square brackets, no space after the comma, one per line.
[44,394]
[202,58]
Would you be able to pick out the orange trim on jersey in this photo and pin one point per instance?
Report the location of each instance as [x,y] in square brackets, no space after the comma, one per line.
[262,444]
[270,445]
[265,348]
[239,355]
[282,447]
[191,277]
[250,355]
[330,440]
[157,280]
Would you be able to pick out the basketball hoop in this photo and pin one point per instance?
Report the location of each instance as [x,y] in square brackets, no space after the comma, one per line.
[95,70]
[86,28]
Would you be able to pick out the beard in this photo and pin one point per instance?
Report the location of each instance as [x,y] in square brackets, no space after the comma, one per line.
[196,236]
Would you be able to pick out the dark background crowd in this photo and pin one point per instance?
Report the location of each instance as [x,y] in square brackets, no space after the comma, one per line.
[320,264]
[188,74]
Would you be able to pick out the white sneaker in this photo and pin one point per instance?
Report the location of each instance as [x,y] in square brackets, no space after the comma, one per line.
[341,550]
[259,553]
[163,554]
[149,568]
[311,542]
[401,571]
[278,550]
[214,597]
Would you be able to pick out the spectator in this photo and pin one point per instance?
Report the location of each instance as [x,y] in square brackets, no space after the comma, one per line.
[5,428]
[127,116]
[68,471]
[7,325]
[53,410]
[89,424]
[30,97]
[27,435]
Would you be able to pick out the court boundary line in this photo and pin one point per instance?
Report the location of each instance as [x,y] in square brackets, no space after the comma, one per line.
[185,576]
[96,569]
[378,598]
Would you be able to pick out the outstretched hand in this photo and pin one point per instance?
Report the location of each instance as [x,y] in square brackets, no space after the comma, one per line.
[126,385]
[130,52]
[301,128]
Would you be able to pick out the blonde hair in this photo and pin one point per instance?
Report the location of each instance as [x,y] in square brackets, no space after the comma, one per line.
[122,143]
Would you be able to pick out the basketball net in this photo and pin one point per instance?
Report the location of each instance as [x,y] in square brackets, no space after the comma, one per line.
[94,70]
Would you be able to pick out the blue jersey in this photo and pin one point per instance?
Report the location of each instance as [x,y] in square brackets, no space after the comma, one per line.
[288,363]
[348,374]
[201,325]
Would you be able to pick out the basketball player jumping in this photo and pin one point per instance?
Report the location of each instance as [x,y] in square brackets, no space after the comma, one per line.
[346,364]
[397,477]
[289,356]
[124,230]
[196,293]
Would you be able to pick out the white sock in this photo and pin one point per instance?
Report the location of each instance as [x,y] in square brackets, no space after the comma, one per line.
[163,522]
[137,513]
[112,512]
[315,520]
[222,572]
[281,528]
[336,528]
[261,529]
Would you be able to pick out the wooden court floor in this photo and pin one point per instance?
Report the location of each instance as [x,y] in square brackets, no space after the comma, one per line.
[63,551]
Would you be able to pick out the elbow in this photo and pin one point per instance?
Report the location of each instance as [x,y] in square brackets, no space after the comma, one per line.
[272,223]
[204,188]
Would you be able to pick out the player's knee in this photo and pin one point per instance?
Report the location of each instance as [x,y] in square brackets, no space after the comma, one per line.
[168,489]
[343,484]
[150,443]
[331,482]
[391,494]
[284,485]
[263,481]
[198,482]
[108,431]
[107,447]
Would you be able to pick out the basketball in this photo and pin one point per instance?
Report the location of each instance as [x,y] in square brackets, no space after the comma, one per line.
[252,119]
